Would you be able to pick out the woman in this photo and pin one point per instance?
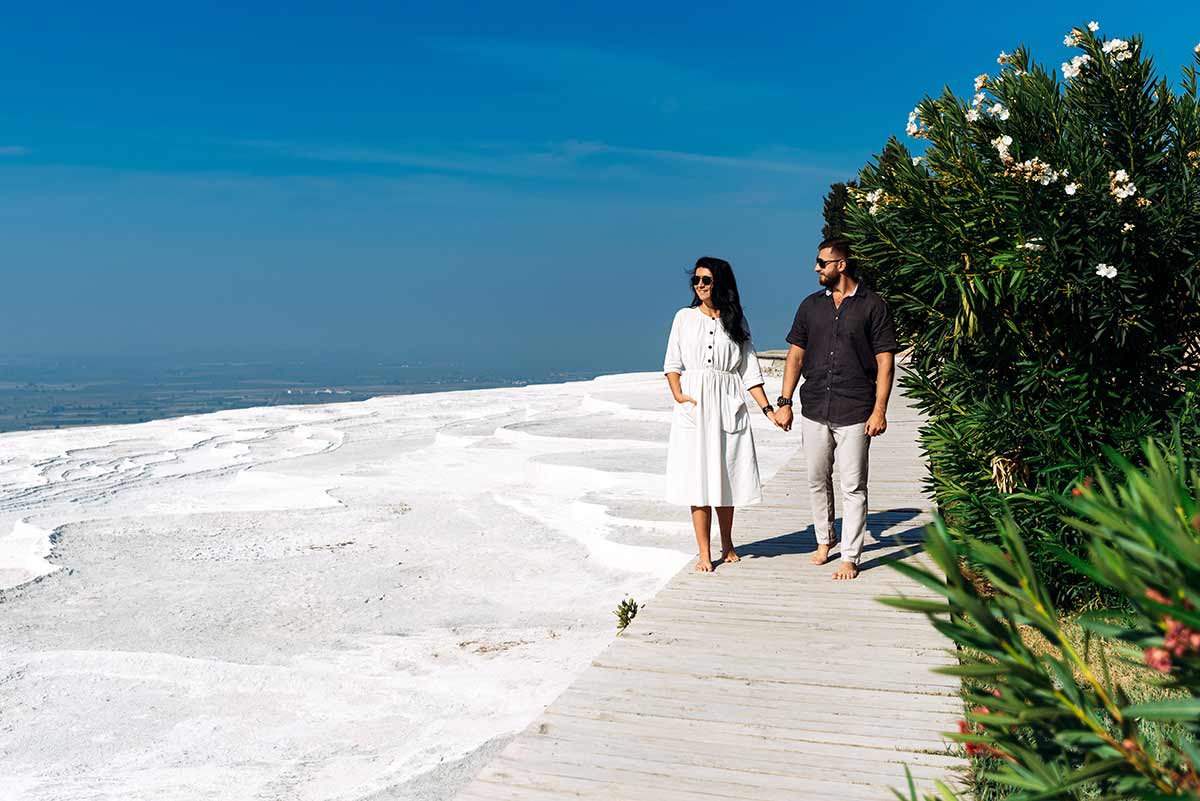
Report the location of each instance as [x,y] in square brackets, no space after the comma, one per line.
[710,363]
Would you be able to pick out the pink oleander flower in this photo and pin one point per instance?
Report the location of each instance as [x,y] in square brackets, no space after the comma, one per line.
[1158,659]
[1179,639]
[1158,597]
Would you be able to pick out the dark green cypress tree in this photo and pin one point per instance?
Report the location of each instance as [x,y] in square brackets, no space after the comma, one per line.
[835,209]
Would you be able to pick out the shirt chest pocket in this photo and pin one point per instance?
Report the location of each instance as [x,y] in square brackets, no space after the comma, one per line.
[854,325]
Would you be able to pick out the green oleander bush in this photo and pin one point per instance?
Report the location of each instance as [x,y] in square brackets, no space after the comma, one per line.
[1106,705]
[1040,256]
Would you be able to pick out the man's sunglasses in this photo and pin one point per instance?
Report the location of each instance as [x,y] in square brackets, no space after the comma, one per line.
[702,280]
[822,262]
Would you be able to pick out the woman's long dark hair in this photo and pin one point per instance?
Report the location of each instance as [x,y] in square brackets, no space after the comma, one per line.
[725,297]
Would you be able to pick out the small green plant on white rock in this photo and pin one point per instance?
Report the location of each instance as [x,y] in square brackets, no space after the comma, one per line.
[626,611]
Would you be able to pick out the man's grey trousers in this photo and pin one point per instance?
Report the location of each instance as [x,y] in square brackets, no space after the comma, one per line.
[849,446]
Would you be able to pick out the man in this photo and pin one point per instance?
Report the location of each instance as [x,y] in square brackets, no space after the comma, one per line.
[843,343]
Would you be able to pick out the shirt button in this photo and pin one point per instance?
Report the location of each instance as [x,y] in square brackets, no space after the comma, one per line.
[710,347]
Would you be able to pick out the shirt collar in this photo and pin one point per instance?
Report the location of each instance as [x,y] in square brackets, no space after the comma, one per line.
[829,292]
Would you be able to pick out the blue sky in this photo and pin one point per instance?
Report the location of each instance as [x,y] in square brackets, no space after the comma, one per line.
[497,184]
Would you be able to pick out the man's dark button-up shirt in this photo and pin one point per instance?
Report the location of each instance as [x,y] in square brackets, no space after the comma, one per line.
[839,354]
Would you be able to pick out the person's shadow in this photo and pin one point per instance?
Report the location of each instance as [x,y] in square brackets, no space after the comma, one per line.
[885,529]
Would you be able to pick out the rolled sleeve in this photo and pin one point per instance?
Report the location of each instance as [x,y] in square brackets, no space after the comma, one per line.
[673,360]
[798,336]
[882,331]
[748,366]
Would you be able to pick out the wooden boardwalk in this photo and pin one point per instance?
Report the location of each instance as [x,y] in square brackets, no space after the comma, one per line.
[765,680]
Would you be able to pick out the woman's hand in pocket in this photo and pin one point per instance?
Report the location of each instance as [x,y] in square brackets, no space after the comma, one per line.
[685,399]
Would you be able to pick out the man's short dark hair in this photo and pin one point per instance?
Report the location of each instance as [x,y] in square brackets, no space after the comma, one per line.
[840,245]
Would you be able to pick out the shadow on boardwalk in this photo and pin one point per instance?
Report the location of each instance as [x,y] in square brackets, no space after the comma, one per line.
[885,530]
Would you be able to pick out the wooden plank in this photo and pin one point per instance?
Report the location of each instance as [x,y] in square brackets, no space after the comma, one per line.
[797,695]
[765,680]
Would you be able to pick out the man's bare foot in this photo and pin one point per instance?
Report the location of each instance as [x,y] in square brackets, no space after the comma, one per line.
[845,571]
[730,556]
[822,554]
[703,566]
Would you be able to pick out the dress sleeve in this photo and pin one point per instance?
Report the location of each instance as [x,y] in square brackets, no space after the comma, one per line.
[748,367]
[673,361]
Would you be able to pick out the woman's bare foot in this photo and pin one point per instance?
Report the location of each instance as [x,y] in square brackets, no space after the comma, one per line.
[730,556]
[845,571]
[703,566]
[822,554]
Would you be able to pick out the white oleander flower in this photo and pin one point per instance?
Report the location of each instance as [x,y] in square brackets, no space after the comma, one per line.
[914,127]
[998,110]
[1033,170]
[1073,38]
[1093,26]
[1127,227]
[1033,243]
[1072,68]
[917,160]
[1071,188]
[1002,144]
[981,81]
[875,198]
[1121,186]
[1117,50]
[1196,49]
[1106,270]
[1003,58]
[978,99]
[973,115]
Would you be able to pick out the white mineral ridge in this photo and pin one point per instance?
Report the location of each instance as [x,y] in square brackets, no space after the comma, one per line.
[321,602]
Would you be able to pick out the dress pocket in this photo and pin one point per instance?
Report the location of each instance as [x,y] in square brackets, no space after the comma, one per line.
[685,415]
[735,420]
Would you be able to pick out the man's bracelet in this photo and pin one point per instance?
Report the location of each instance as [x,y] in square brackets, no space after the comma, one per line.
[782,401]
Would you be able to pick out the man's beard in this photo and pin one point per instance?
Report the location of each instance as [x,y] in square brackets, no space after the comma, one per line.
[825,281]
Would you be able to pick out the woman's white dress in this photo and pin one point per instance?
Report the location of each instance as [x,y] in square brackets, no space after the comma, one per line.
[711,459]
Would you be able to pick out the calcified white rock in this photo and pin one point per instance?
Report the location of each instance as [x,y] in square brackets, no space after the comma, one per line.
[321,602]
[23,554]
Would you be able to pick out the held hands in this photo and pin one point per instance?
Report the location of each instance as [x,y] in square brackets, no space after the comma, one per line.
[876,424]
[782,417]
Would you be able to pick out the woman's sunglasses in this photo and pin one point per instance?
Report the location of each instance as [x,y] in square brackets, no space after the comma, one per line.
[702,280]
